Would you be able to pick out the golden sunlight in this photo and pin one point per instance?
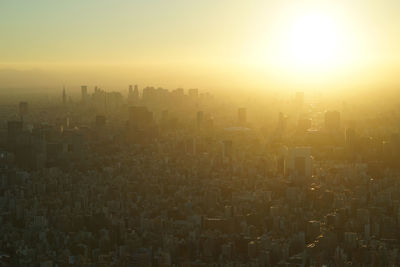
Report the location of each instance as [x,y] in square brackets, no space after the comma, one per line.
[309,42]
[314,40]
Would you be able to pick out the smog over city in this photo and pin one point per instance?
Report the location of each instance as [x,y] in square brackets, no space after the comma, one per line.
[199,133]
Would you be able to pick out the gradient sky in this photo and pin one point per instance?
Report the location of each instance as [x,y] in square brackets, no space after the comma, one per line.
[213,34]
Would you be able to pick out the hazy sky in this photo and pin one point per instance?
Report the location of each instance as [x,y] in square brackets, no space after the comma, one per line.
[211,35]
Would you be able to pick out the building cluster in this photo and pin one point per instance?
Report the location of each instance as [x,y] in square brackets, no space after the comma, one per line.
[172,179]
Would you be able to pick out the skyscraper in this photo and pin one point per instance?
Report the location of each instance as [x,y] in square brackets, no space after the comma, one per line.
[299,162]
[193,92]
[84,93]
[200,119]
[136,93]
[140,116]
[227,149]
[64,97]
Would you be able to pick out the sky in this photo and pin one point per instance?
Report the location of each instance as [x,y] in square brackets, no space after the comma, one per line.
[306,42]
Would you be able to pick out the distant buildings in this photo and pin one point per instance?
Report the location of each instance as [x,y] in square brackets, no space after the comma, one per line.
[84,93]
[193,93]
[299,162]
[64,97]
[140,116]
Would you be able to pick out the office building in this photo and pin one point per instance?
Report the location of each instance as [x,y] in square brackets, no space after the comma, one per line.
[299,162]
[227,149]
[64,97]
[193,93]
[200,119]
[140,116]
[84,93]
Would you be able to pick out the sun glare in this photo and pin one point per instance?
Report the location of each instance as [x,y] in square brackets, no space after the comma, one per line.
[313,40]
[310,43]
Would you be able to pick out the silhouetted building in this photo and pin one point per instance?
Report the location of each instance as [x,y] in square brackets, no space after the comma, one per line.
[193,93]
[299,162]
[200,119]
[140,116]
[84,93]
[227,149]
[350,138]
[136,93]
[64,97]
[133,94]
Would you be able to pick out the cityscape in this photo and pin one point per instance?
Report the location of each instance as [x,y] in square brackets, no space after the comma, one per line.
[162,177]
[199,133]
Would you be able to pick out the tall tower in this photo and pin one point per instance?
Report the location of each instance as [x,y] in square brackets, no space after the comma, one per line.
[64,97]
[136,93]
[84,93]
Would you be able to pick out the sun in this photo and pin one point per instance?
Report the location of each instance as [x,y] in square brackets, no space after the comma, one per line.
[313,41]
[307,41]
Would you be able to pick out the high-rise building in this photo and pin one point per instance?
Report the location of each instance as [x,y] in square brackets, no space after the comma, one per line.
[84,93]
[64,97]
[303,124]
[299,162]
[136,93]
[133,93]
[242,116]
[200,119]
[332,120]
[140,117]
[193,93]
[350,137]
[227,149]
